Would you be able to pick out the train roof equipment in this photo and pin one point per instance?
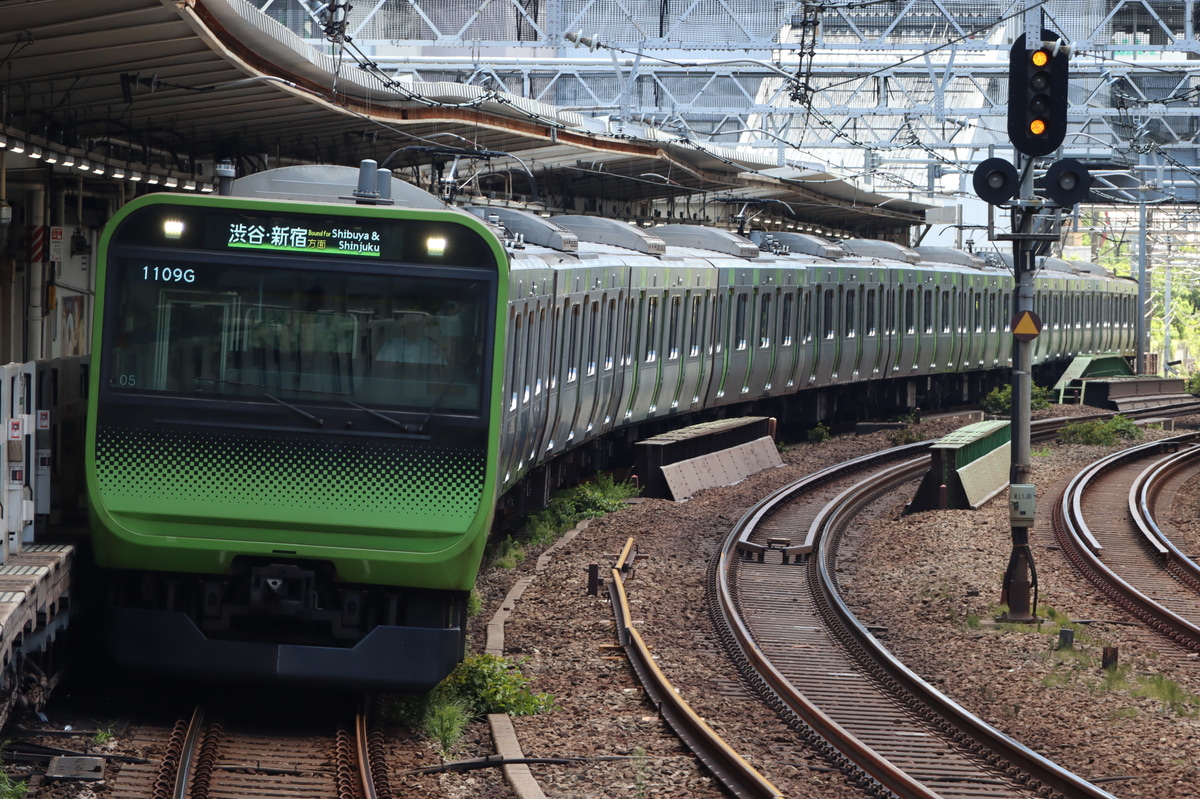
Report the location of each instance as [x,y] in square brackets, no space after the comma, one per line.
[949,255]
[707,238]
[531,227]
[599,230]
[874,248]
[332,183]
[802,244]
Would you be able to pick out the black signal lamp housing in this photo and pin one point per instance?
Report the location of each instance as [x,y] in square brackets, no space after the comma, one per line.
[1067,182]
[996,181]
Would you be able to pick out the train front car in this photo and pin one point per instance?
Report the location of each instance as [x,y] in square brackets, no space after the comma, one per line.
[292,437]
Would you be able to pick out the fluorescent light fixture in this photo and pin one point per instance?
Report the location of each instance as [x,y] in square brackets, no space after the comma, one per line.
[173,228]
[135,177]
[35,153]
[3,142]
[118,172]
[206,188]
[83,166]
[189,185]
[170,182]
[152,180]
[435,246]
[68,160]
[99,169]
[17,147]
[51,157]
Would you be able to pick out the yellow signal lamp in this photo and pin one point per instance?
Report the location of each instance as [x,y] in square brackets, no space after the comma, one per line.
[1040,58]
[1037,127]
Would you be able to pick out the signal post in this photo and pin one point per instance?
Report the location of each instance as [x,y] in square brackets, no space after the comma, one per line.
[1037,120]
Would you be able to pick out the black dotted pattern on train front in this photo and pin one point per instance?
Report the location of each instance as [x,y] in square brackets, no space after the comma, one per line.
[338,476]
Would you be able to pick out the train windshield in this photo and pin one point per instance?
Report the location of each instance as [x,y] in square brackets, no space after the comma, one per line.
[222,330]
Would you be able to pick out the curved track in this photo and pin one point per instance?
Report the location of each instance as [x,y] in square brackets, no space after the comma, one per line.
[776,595]
[1104,522]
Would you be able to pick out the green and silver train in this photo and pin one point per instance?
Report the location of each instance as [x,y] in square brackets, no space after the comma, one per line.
[291,432]
[306,413]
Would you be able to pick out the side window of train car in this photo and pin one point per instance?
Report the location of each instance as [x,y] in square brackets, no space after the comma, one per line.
[739,321]
[593,322]
[627,337]
[870,320]
[978,312]
[764,321]
[555,356]
[696,326]
[946,317]
[532,348]
[514,371]
[610,336]
[850,319]
[786,311]
[651,329]
[673,322]
[806,317]
[890,319]
[827,309]
[576,319]
[927,310]
[910,312]
[992,312]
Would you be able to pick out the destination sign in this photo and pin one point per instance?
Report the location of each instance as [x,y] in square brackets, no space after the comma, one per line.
[275,237]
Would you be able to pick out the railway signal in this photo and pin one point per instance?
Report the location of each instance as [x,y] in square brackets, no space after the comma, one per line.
[1037,94]
[1067,182]
[996,181]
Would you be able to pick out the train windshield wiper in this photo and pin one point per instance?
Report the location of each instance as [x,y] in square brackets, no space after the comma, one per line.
[312,418]
[394,422]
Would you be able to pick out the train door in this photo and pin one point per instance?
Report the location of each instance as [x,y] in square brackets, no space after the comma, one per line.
[789,362]
[825,328]
[670,353]
[906,295]
[564,374]
[695,333]
[610,385]
[848,333]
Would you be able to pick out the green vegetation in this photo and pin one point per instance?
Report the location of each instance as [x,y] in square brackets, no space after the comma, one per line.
[566,509]
[481,684]
[819,433]
[103,734]
[998,402]
[1170,694]
[444,723]
[1100,433]
[493,684]
[11,788]
[1192,385]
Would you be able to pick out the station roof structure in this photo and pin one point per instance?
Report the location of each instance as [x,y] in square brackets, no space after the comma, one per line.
[160,90]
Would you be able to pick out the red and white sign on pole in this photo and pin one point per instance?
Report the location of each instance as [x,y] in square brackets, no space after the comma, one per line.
[56,243]
[16,430]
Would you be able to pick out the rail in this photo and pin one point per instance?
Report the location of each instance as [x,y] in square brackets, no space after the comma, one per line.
[726,765]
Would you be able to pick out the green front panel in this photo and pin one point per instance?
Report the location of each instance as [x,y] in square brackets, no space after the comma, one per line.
[292,485]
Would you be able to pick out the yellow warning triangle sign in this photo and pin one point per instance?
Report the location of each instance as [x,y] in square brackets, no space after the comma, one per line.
[1026,325]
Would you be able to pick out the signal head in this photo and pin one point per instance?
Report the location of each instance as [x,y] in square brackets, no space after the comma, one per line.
[1037,96]
[996,181]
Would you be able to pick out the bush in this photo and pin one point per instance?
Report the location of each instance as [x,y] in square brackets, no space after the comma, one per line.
[1192,386]
[819,433]
[492,684]
[998,402]
[1100,433]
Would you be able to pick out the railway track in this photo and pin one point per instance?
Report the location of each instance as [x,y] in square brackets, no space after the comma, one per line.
[1104,520]
[209,755]
[776,601]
